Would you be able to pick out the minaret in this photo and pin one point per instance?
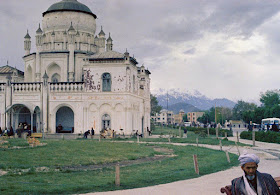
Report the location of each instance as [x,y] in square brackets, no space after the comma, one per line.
[126,57]
[39,35]
[102,40]
[71,47]
[109,45]
[27,43]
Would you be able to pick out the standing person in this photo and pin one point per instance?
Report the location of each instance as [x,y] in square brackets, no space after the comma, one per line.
[92,132]
[267,127]
[149,132]
[185,132]
[274,127]
[253,182]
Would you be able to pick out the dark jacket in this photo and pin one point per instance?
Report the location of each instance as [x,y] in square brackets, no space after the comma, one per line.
[267,183]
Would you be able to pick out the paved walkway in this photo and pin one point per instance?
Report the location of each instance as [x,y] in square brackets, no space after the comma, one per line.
[211,184]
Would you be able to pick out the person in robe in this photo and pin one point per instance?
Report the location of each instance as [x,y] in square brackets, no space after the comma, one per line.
[253,182]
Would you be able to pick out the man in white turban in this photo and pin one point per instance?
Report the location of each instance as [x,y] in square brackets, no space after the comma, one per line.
[253,182]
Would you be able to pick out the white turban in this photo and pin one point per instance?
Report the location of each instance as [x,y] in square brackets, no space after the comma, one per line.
[246,158]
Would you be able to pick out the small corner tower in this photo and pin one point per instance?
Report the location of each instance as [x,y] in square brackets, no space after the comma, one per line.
[27,43]
[109,45]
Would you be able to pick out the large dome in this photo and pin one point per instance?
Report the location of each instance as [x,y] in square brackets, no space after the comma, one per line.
[61,15]
[69,5]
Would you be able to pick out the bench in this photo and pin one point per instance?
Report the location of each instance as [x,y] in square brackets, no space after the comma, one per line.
[37,135]
[227,189]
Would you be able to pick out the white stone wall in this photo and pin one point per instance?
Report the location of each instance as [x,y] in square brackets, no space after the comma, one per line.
[89,108]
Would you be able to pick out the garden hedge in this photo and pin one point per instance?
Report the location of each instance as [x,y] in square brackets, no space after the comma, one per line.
[270,136]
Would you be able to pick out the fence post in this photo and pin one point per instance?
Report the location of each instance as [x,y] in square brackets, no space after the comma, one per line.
[228,159]
[226,134]
[179,131]
[208,131]
[237,136]
[217,132]
[254,138]
[221,147]
[196,168]
[137,138]
[117,176]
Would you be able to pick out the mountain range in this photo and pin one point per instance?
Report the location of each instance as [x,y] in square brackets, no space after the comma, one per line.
[188,101]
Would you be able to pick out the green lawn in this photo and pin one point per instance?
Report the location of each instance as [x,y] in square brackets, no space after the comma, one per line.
[86,152]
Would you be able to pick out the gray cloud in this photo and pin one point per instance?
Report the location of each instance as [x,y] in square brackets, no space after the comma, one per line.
[188,40]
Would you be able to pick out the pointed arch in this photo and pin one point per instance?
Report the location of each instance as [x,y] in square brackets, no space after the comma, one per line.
[54,70]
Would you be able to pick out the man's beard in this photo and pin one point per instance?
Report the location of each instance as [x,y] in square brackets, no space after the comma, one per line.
[250,177]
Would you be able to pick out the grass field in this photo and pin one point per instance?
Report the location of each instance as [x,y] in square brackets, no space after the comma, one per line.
[22,177]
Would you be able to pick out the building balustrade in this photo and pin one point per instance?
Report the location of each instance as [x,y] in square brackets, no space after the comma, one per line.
[67,87]
[27,87]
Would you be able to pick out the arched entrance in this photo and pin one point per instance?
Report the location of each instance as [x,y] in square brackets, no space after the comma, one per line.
[23,117]
[106,121]
[64,120]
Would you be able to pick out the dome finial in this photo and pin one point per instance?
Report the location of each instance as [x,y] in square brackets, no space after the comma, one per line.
[27,36]
[71,27]
[101,34]
[39,30]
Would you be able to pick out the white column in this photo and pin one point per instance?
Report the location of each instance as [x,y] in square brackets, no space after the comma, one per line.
[31,121]
[38,66]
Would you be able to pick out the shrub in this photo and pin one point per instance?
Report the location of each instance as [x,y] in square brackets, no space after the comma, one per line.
[212,131]
[271,137]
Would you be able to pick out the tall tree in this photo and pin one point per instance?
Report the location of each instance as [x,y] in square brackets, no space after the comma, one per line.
[155,107]
[241,107]
[270,98]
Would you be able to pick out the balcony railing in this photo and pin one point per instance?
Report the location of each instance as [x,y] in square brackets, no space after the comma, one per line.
[67,87]
[27,87]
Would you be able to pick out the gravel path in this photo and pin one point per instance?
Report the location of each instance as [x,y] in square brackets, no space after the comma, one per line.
[210,184]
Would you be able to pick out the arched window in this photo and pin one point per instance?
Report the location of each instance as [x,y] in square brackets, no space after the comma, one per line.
[106,82]
[55,78]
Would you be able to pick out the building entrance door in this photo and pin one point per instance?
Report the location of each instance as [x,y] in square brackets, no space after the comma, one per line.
[106,122]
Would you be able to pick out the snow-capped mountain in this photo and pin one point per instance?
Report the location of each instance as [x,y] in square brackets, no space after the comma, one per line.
[195,98]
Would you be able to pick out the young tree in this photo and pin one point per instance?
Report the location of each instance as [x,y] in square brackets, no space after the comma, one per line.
[155,108]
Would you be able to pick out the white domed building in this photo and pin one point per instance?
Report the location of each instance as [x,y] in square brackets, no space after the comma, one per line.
[76,80]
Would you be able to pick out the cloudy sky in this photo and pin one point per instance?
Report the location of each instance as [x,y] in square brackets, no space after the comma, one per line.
[222,48]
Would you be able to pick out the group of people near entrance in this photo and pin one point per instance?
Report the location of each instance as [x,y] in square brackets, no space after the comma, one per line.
[7,132]
[253,182]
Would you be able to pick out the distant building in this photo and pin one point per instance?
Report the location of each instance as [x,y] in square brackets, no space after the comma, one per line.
[193,116]
[178,118]
[165,117]
[8,71]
